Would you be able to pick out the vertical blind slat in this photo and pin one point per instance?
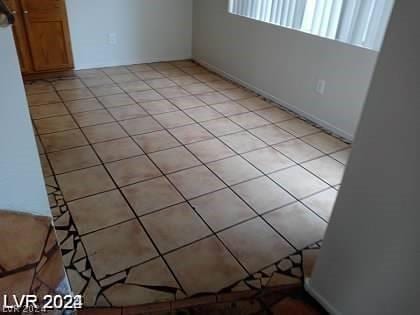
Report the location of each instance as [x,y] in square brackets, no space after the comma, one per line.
[358,22]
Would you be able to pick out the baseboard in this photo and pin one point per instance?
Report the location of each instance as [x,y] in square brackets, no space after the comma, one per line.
[324,124]
[129,62]
[320,299]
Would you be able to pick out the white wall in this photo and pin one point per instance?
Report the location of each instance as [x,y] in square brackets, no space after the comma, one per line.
[285,65]
[22,185]
[370,259]
[146,30]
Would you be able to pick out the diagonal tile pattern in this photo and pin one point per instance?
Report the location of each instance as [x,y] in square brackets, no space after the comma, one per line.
[168,181]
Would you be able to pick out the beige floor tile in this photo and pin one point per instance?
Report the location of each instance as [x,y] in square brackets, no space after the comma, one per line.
[140,68]
[210,150]
[105,132]
[185,80]
[322,203]
[238,94]
[173,160]
[190,134]
[152,195]
[213,98]
[149,75]
[83,183]
[207,77]
[271,134]
[98,80]
[117,248]
[172,92]
[133,170]
[325,143]
[99,211]
[38,87]
[63,140]
[46,168]
[153,273]
[76,94]
[298,150]
[130,296]
[16,284]
[255,244]
[274,114]
[186,102]
[234,170]
[115,70]
[175,227]
[73,159]
[263,195]
[222,209]
[342,156]
[299,182]
[207,257]
[298,127]
[172,73]
[140,125]
[268,160]
[229,108]
[160,83]
[221,85]
[55,124]
[203,113]
[23,238]
[134,86]
[128,112]
[327,168]
[299,225]
[87,73]
[156,141]
[116,100]
[184,64]
[94,117]
[123,78]
[195,70]
[85,105]
[243,142]
[254,103]
[158,107]
[146,96]
[43,98]
[105,90]
[49,110]
[174,119]
[221,127]
[117,149]
[195,182]
[198,88]
[249,120]
[68,84]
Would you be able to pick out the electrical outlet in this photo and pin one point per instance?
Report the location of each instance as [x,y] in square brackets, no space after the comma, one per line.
[320,87]
[112,38]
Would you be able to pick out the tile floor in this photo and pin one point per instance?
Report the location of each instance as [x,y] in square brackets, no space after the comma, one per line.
[177,182]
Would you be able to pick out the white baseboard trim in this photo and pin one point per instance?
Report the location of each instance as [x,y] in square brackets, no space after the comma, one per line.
[328,126]
[128,62]
[324,303]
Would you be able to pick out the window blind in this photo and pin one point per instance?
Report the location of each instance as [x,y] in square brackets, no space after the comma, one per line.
[357,22]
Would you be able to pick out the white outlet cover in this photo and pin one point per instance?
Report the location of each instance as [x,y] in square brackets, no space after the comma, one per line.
[320,88]
[112,38]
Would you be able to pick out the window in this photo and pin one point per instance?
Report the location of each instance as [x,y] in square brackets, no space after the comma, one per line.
[357,22]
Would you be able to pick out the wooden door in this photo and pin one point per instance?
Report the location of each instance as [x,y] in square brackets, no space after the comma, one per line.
[19,34]
[48,34]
